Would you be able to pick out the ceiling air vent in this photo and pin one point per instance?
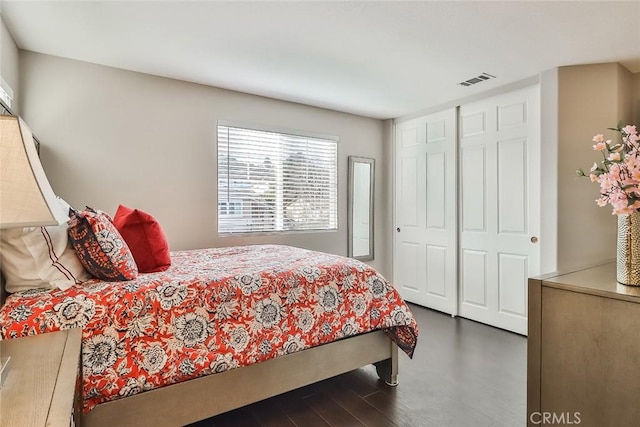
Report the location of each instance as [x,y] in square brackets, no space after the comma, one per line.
[482,77]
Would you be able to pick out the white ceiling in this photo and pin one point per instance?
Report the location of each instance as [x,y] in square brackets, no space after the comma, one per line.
[382,59]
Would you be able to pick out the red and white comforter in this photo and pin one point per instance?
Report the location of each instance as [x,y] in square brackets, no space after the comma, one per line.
[213,310]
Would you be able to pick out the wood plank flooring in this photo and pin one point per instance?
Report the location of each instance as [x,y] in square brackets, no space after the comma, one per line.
[463,374]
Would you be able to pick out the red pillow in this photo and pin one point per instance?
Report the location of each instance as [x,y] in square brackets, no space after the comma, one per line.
[145,238]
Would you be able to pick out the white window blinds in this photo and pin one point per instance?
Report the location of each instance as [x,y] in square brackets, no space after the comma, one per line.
[271,181]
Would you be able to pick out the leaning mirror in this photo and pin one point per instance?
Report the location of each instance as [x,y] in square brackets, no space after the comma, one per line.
[360,207]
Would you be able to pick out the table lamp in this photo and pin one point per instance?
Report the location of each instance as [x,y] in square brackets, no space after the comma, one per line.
[26,197]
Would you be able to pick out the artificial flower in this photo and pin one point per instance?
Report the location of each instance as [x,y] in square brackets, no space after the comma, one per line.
[599,146]
[618,174]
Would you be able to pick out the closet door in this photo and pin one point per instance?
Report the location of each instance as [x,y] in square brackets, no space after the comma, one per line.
[499,202]
[425,247]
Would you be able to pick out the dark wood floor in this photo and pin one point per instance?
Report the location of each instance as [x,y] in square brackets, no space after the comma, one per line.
[463,374]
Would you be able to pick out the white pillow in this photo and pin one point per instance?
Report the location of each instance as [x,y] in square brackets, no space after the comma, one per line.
[39,257]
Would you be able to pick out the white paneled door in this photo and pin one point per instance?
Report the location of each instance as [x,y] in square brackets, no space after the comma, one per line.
[467,197]
[425,264]
[499,187]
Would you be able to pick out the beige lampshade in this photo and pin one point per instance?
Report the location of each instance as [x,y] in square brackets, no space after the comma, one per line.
[26,197]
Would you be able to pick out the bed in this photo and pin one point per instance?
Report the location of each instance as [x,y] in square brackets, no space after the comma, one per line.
[221,328]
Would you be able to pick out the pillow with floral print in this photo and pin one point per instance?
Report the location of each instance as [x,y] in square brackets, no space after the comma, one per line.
[100,247]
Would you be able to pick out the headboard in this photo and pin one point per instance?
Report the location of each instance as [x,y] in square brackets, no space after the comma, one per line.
[4,109]
[3,293]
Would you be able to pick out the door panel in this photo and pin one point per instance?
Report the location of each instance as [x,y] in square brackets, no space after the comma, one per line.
[473,124]
[409,277]
[513,298]
[436,190]
[425,214]
[503,185]
[512,115]
[436,271]
[473,188]
[474,278]
[409,192]
[512,186]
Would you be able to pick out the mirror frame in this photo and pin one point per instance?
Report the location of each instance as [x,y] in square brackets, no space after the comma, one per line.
[352,162]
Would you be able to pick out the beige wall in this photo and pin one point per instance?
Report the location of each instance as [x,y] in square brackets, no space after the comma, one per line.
[636,103]
[384,169]
[549,171]
[626,95]
[9,62]
[112,136]
[591,98]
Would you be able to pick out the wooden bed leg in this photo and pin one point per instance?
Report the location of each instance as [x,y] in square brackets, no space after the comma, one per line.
[388,369]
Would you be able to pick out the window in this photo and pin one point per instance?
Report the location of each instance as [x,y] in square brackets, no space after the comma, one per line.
[272,181]
[6,93]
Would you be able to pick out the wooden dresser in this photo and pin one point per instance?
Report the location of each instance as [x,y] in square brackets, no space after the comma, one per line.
[583,350]
[41,386]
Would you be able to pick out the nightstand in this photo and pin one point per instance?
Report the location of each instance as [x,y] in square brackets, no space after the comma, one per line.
[582,349]
[42,384]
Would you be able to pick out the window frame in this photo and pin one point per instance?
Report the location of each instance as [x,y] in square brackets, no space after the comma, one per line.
[6,94]
[284,131]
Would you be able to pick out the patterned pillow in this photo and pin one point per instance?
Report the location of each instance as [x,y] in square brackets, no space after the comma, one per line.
[100,247]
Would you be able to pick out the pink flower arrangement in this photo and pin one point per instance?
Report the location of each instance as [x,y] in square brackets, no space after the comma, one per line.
[619,171]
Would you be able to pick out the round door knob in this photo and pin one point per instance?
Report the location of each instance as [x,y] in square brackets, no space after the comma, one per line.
[398,229]
[534,239]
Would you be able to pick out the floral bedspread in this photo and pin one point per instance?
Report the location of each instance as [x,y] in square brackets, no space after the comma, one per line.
[212,310]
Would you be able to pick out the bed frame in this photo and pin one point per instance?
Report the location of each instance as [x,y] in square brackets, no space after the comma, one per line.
[204,397]
[200,398]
